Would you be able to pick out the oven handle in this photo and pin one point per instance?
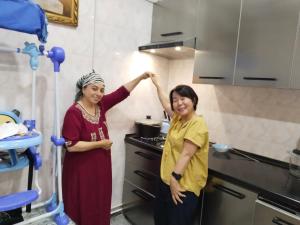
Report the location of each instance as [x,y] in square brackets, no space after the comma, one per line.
[145,155]
[141,194]
[144,175]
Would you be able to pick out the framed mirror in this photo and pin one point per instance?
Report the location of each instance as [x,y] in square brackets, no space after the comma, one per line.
[61,11]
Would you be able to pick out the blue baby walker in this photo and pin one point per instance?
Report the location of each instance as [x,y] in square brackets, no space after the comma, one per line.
[32,20]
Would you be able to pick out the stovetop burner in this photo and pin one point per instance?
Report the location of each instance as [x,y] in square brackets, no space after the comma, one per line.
[155,141]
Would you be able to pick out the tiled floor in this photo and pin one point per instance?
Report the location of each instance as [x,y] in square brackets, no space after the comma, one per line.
[117,219]
[45,221]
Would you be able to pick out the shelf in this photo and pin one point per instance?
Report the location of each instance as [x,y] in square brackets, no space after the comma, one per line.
[17,200]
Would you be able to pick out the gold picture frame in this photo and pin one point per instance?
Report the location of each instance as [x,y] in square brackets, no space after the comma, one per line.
[61,11]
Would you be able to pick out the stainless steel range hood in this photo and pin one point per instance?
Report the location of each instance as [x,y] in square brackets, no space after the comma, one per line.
[177,49]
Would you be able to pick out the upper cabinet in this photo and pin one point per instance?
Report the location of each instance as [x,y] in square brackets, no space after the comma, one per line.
[217,32]
[238,42]
[173,20]
[266,42]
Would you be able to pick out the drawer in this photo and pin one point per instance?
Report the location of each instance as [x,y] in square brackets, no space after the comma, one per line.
[267,214]
[133,196]
[142,178]
[142,159]
[137,205]
[142,167]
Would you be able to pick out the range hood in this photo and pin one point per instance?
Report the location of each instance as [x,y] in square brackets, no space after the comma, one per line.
[176,49]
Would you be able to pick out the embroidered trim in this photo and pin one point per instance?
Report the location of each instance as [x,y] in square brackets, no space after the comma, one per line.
[93,136]
[89,117]
[101,134]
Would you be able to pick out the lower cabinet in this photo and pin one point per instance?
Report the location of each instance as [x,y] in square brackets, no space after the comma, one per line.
[138,205]
[269,214]
[227,204]
[141,175]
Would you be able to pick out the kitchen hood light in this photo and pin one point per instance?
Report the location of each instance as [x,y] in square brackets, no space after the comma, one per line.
[152,51]
[177,48]
[183,48]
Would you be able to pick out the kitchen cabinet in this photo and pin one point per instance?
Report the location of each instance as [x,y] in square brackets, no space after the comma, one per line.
[142,169]
[174,20]
[141,173]
[227,204]
[266,42]
[269,214]
[217,32]
[137,204]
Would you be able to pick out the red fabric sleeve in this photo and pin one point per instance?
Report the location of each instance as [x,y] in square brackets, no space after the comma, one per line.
[72,127]
[114,98]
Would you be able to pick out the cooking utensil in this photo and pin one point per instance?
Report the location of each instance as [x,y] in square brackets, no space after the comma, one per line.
[148,128]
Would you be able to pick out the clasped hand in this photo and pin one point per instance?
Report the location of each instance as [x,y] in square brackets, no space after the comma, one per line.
[176,191]
[106,144]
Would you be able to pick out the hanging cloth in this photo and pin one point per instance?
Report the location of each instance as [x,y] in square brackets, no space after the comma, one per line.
[24,16]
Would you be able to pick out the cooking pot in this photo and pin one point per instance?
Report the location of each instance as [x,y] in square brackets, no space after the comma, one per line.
[295,163]
[148,128]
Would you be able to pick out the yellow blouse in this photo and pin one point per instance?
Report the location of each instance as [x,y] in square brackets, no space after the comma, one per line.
[195,174]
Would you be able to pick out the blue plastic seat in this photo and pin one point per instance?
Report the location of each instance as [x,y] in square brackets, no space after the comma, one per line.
[17,200]
[18,142]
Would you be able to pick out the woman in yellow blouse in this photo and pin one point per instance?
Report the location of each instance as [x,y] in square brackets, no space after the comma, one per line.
[184,161]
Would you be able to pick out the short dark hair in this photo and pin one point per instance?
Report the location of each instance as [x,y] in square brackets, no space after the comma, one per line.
[184,91]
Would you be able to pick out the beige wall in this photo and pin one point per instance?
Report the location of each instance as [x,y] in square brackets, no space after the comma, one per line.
[119,27]
[264,121]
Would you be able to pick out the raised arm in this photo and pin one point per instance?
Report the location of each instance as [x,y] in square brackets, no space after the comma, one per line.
[162,96]
[132,84]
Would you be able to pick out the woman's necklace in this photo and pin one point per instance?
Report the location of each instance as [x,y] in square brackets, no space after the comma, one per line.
[85,109]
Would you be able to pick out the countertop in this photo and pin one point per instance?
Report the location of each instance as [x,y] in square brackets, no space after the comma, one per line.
[269,178]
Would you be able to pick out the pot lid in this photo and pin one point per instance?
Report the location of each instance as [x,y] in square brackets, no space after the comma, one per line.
[148,121]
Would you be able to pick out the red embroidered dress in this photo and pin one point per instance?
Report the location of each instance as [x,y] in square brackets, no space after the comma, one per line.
[87,178]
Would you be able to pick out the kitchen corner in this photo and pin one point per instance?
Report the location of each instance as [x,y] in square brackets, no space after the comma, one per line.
[236,184]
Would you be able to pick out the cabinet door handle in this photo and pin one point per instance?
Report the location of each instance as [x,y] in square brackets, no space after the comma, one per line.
[171,34]
[141,194]
[279,221]
[145,155]
[260,78]
[145,175]
[229,191]
[216,78]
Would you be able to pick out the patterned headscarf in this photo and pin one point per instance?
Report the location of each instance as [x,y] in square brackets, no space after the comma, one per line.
[90,78]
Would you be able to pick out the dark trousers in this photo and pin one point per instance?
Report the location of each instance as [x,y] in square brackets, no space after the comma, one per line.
[167,213]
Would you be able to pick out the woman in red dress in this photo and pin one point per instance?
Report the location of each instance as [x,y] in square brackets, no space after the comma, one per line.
[87,175]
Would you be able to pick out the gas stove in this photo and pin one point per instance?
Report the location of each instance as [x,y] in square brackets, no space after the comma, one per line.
[153,141]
